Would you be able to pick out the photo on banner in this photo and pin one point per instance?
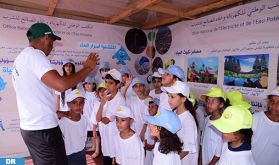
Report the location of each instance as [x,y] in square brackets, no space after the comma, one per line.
[246,71]
[202,70]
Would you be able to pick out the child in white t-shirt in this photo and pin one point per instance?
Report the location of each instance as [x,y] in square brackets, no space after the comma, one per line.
[180,103]
[265,140]
[73,128]
[164,126]
[169,76]
[235,125]
[110,101]
[96,134]
[157,83]
[149,141]
[212,142]
[90,97]
[103,68]
[129,146]
[126,88]
[137,104]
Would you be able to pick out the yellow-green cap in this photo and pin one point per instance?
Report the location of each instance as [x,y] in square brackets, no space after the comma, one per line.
[102,85]
[214,92]
[236,98]
[233,119]
[193,98]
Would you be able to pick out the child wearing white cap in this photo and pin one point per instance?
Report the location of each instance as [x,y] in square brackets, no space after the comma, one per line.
[110,101]
[157,83]
[73,128]
[149,141]
[137,104]
[180,103]
[169,76]
[265,140]
[90,97]
[164,126]
[235,125]
[129,146]
[103,68]
[68,68]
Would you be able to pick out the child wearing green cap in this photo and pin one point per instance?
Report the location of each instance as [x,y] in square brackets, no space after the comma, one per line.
[211,140]
[235,125]
[265,141]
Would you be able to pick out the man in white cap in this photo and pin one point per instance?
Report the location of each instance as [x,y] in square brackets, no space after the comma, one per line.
[34,80]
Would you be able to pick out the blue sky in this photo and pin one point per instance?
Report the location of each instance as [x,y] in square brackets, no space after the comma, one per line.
[212,62]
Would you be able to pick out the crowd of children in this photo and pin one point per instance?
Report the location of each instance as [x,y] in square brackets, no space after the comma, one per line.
[129,126]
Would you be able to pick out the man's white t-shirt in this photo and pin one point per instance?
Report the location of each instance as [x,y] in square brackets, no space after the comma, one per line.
[130,151]
[108,131]
[35,100]
[154,95]
[139,110]
[74,134]
[212,142]
[229,157]
[188,134]
[171,158]
[164,101]
[265,140]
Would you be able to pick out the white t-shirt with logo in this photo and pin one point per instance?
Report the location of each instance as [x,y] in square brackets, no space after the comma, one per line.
[108,131]
[212,142]
[35,100]
[171,158]
[139,110]
[188,134]
[229,157]
[265,140]
[130,151]
[74,134]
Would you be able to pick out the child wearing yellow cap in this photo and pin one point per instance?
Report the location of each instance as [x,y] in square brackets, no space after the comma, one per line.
[265,141]
[211,140]
[235,125]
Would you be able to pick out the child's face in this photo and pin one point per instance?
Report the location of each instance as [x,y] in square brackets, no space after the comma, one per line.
[124,78]
[111,85]
[212,104]
[101,91]
[68,68]
[89,87]
[175,100]
[273,105]
[152,109]
[139,89]
[167,79]
[123,124]
[157,83]
[154,131]
[76,105]
[232,137]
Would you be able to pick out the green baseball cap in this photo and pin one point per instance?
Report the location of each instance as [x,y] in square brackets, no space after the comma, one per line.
[214,92]
[38,30]
[233,119]
[236,98]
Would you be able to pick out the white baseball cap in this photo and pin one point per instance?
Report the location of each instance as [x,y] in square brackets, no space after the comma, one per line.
[178,87]
[115,74]
[66,61]
[157,75]
[124,112]
[73,95]
[275,92]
